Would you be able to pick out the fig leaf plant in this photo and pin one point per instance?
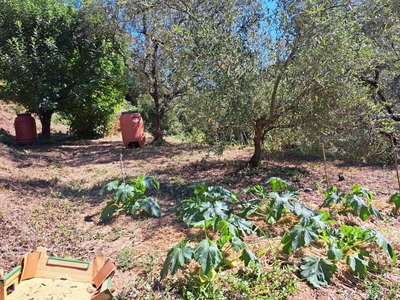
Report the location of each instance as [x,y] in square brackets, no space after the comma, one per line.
[348,243]
[220,233]
[130,197]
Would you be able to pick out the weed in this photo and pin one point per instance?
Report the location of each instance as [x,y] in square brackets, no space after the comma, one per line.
[142,290]
[380,288]
[117,232]
[125,259]
[98,236]
[277,282]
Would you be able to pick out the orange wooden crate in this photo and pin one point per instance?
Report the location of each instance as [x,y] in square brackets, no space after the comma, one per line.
[35,265]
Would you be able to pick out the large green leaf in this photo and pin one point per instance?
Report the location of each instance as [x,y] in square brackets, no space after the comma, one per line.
[358,205]
[220,193]
[124,192]
[278,184]
[213,210]
[384,244]
[299,209]
[237,244]
[133,207]
[318,221]
[177,257]
[108,211]
[113,185]
[395,198]
[373,211]
[300,235]
[249,258]
[363,192]
[278,205]
[317,271]
[242,225]
[151,206]
[357,263]
[223,239]
[334,252]
[208,255]
[199,188]
[249,208]
[149,182]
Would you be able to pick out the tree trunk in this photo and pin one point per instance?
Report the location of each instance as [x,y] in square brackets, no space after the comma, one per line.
[258,127]
[256,158]
[45,119]
[159,128]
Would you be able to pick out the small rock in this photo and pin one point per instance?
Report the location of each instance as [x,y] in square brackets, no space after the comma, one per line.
[308,190]
[341,177]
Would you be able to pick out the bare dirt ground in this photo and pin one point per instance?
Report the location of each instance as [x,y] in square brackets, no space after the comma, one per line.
[49,196]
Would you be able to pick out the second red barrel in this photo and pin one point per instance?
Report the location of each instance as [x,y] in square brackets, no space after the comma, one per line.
[132,129]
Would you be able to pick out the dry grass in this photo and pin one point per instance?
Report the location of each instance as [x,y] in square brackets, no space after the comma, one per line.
[49,196]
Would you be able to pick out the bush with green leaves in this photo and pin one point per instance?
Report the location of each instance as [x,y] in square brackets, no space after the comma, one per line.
[130,197]
[210,210]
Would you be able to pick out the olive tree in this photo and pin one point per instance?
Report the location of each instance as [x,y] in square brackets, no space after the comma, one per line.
[296,71]
[154,56]
[382,73]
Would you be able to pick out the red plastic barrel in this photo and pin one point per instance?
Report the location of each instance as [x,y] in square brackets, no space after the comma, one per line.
[25,129]
[132,129]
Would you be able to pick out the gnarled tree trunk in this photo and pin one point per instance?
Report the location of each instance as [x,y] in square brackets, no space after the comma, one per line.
[259,128]
[256,158]
[158,130]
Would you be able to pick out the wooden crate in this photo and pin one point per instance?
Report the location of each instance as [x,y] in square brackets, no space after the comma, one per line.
[58,277]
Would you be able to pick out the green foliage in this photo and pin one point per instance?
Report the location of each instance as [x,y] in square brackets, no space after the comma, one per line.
[178,256]
[382,242]
[346,242]
[278,281]
[317,271]
[357,263]
[353,200]
[395,199]
[273,204]
[208,255]
[303,233]
[130,197]
[58,58]
[209,210]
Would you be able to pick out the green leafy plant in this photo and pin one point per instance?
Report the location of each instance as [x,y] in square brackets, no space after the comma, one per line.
[130,197]
[304,232]
[209,210]
[354,201]
[349,242]
[395,199]
[346,242]
[275,203]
